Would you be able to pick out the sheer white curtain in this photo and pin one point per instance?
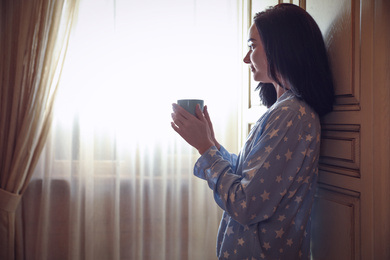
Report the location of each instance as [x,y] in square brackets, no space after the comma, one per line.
[114,180]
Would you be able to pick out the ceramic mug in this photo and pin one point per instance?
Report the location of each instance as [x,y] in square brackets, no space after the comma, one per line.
[190,104]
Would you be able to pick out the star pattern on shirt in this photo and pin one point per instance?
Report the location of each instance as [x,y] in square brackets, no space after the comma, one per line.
[291,194]
[279,233]
[251,173]
[212,152]
[225,196]
[229,231]
[275,173]
[302,109]
[288,155]
[251,161]
[298,199]
[232,197]
[273,133]
[309,137]
[266,245]
[307,152]
[265,195]
[267,165]
[241,241]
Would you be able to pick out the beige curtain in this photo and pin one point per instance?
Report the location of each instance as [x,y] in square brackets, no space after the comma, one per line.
[114,181]
[34,35]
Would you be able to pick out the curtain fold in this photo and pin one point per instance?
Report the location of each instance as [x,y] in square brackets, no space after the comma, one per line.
[114,181]
[33,44]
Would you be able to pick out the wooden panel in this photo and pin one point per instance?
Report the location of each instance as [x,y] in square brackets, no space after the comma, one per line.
[340,149]
[339,180]
[336,229]
[336,236]
[381,131]
[339,23]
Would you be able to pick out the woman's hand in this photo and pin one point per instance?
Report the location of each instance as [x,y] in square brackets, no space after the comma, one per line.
[195,130]
[207,116]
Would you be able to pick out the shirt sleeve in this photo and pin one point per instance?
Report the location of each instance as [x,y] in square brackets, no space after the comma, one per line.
[230,157]
[252,193]
[223,155]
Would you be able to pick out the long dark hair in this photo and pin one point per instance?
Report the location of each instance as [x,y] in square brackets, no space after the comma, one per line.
[296,55]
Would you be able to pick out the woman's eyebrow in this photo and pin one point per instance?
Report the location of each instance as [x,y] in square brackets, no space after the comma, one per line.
[251,40]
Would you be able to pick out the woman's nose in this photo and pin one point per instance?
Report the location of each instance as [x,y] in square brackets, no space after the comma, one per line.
[247,60]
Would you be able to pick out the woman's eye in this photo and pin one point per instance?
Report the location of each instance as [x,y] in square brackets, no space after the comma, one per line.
[251,47]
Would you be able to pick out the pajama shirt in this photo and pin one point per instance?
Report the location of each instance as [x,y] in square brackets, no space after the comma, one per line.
[267,191]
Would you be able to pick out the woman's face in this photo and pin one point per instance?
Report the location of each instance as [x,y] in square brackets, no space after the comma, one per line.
[256,57]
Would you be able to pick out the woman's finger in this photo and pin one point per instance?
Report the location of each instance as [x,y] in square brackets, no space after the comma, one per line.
[206,114]
[175,120]
[199,113]
[179,116]
[180,110]
[177,129]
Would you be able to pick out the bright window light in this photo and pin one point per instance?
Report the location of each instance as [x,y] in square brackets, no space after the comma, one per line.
[128,61]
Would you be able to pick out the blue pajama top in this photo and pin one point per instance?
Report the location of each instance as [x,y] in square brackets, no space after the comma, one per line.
[267,191]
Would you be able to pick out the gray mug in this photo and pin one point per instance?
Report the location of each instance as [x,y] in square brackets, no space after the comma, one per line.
[190,104]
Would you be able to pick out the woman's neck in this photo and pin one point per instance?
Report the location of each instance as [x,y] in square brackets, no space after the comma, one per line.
[279,90]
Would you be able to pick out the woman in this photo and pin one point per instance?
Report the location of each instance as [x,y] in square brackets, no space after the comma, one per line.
[267,191]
